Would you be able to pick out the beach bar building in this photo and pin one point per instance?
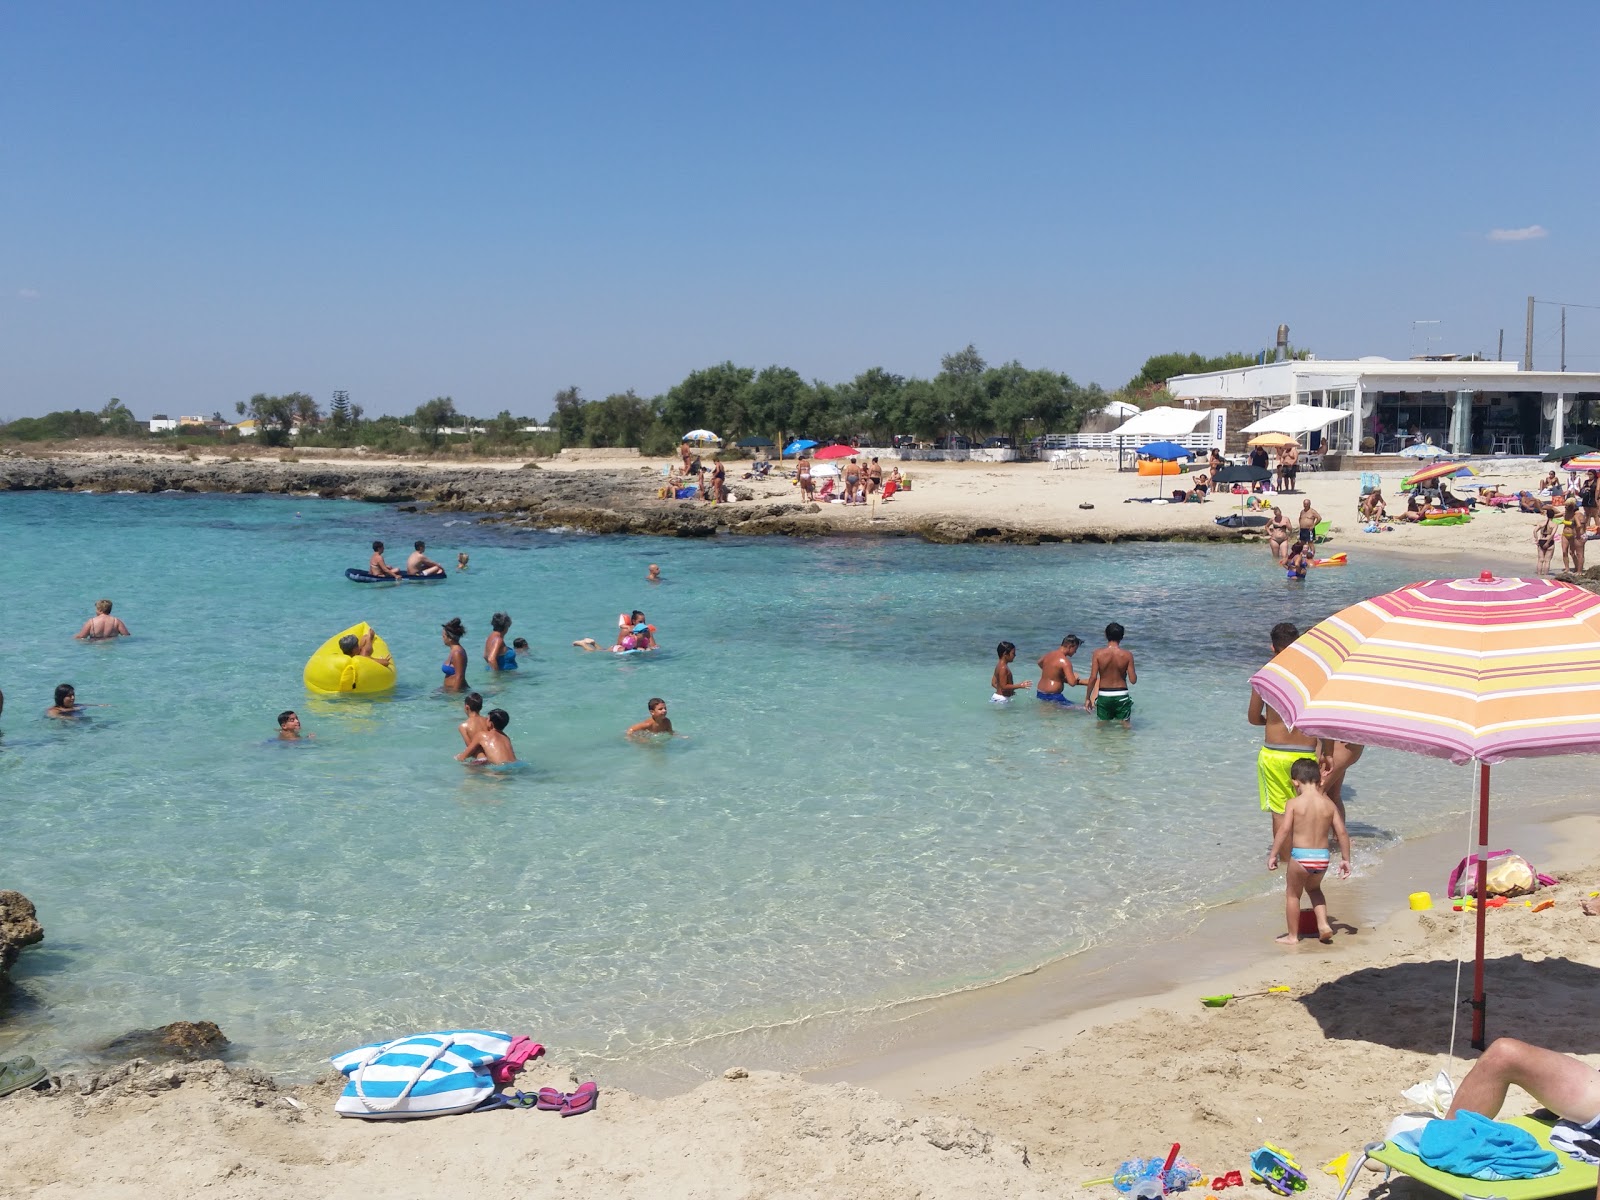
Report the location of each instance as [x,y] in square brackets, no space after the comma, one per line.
[1467,406]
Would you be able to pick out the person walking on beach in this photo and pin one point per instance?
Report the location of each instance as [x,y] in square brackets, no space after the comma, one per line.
[1000,681]
[802,474]
[491,745]
[1303,837]
[1111,673]
[418,563]
[376,565]
[102,625]
[656,722]
[1309,517]
[1281,746]
[1056,674]
[1544,540]
[455,662]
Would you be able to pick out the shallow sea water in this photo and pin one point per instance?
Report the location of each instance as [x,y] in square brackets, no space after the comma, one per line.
[847,824]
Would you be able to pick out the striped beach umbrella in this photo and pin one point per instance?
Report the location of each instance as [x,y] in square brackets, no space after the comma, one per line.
[1584,462]
[1436,471]
[1473,670]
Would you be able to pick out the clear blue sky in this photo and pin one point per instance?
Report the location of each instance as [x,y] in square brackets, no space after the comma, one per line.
[203,201]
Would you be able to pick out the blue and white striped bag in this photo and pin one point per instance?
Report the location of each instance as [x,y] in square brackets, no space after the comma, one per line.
[424,1075]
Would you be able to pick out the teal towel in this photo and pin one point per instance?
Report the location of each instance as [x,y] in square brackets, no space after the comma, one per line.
[1474,1146]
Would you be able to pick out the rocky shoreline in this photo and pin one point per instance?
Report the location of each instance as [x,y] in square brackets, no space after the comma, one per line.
[617,501]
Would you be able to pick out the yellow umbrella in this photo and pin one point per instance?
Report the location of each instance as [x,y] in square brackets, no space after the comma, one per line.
[1272,440]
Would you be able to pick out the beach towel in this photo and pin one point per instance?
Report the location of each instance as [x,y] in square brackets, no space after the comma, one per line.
[1474,1146]
[1581,1142]
[423,1075]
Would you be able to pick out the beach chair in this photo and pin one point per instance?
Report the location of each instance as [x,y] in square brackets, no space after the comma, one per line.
[1319,531]
[1574,1176]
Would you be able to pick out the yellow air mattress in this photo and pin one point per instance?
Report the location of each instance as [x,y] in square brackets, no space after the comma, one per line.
[333,671]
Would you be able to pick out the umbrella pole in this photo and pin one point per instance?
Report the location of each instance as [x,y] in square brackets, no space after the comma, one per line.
[1478,1006]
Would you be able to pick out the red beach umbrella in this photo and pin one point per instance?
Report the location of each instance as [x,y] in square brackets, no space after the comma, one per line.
[837,450]
[1473,670]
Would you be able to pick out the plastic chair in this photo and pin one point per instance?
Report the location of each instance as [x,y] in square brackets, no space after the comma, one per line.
[1574,1176]
[1319,531]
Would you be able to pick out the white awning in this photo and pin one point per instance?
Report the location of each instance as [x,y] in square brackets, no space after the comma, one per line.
[1297,419]
[1163,422]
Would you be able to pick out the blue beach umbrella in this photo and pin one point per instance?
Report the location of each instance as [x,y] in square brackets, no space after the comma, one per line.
[795,447]
[1166,450]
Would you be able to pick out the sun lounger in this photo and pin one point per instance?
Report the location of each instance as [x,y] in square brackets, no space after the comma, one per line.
[1574,1176]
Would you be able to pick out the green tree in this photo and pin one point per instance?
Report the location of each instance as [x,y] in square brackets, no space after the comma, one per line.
[715,398]
[621,419]
[960,387]
[779,401]
[307,414]
[569,417]
[339,410]
[504,429]
[433,416]
[116,419]
[273,415]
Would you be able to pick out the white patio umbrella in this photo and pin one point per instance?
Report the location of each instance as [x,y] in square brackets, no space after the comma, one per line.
[1424,450]
[701,435]
[1296,419]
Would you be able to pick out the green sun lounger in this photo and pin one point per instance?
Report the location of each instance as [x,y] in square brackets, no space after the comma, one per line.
[1574,1176]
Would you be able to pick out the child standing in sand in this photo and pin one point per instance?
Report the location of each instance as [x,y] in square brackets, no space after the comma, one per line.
[1303,833]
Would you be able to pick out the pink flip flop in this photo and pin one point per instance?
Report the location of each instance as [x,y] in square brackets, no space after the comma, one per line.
[581,1101]
[551,1100]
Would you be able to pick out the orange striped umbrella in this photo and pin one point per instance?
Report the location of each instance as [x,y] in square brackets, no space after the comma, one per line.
[1436,471]
[1473,670]
[1584,462]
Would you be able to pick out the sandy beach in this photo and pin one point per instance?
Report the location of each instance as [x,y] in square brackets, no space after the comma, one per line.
[1030,1088]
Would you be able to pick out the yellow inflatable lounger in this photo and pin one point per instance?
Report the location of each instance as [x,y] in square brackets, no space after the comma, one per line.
[333,671]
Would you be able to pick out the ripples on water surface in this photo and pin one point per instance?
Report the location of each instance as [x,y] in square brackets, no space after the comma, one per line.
[848,823]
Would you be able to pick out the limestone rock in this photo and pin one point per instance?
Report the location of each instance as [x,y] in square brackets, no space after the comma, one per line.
[19,927]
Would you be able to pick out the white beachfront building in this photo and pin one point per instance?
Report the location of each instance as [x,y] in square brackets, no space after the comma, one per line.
[1465,405]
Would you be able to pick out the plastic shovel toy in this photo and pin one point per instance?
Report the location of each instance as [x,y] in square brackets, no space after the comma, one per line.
[1221,1001]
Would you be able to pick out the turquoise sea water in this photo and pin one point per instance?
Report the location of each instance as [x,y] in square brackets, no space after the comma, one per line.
[847,823]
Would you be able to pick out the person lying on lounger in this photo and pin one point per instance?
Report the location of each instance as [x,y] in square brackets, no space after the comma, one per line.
[1565,1086]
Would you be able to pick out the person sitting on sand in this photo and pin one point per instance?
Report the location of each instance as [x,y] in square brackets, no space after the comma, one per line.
[418,563]
[1372,507]
[376,565]
[1567,1087]
[657,721]
[1416,509]
[1303,836]
[289,726]
[102,625]
[361,647]
[491,745]
[1000,682]
[1279,531]
[1550,483]
[1200,486]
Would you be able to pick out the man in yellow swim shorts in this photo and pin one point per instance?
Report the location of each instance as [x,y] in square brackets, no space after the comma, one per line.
[1281,745]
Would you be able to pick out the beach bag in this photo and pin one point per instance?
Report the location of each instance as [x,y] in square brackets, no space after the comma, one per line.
[424,1075]
[1509,875]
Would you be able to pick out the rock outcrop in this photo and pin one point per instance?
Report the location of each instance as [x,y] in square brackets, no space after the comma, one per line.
[19,927]
[184,1040]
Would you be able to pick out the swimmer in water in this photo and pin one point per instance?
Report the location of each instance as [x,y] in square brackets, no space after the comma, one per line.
[418,563]
[461,561]
[653,575]
[289,727]
[476,722]
[495,651]
[657,722]
[376,565]
[455,662]
[361,647]
[1000,682]
[66,704]
[491,745]
[102,626]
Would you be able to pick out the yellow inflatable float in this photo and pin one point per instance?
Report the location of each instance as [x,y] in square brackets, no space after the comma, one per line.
[336,672]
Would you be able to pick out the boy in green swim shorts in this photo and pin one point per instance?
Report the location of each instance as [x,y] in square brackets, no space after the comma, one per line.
[1281,746]
[1111,673]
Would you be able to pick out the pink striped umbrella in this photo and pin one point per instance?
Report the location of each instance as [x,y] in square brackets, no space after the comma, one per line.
[1473,670]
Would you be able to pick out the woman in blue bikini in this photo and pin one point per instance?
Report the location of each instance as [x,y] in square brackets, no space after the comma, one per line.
[455,662]
[496,653]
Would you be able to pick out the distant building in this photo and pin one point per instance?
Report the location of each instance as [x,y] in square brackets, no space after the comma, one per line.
[161,424]
[246,428]
[199,421]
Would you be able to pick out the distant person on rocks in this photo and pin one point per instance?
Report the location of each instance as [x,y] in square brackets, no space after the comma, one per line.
[1000,681]
[376,565]
[102,626]
[418,563]
[719,481]
[657,722]
[289,726]
[1056,674]
[491,745]
[1111,674]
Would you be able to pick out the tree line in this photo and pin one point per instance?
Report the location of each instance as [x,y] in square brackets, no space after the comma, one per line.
[967,398]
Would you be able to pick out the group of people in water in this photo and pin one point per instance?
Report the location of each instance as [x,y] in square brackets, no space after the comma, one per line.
[1111,675]
[1294,549]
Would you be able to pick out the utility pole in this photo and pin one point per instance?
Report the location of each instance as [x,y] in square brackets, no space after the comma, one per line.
[1500,354]
[1527,348]
[1563,337]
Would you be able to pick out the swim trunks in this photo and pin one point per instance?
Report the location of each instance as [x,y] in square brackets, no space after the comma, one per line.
[1055,698]
[997,698]
[507,661]
[1314,862]
[1113,704]
[1272,775]
[1308,536]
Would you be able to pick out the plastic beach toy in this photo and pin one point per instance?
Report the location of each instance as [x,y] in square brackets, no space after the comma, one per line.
[1420,901]
[1278,1170]
[1221,1001]
[331,670]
